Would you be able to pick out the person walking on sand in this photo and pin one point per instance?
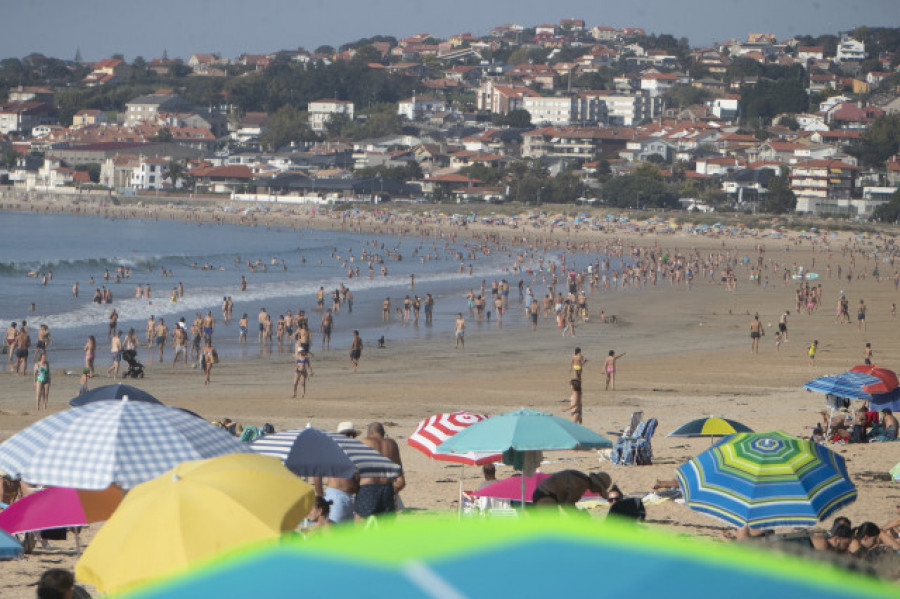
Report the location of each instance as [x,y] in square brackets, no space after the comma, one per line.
[610,367]
[115,354]
[575,407]
[861,316]
[868,354]
[811,352]
[162,332]
[355,350]
[755,334]
[42,381]
[302,369]
[782,324]
[578,361]
[460,331]
[209,357]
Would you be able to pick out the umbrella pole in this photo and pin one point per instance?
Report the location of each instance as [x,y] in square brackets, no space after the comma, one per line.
[459,502]
[523,490]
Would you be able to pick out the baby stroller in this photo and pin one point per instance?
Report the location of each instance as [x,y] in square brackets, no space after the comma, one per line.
[135,368]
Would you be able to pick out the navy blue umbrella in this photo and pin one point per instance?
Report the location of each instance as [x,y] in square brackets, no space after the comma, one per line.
[108,392]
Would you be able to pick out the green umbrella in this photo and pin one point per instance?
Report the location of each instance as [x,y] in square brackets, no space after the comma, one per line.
[439,556]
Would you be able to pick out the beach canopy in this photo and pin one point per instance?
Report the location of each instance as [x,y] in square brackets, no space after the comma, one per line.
[887,378]
[108,392]
[313,452]
[111,442]
[440,556]
[194,512]
[59,507]
[765,480]
[710,427]
[433,431]
[849,385]
[524,430]
[895,472]
[9,547]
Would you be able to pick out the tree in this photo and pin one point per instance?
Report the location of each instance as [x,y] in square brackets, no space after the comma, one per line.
[780,199]
[768,98]
[92,169]
[639,191]
[687,95]
[889,212]
[174,171]
[286,125]
[789,121]
[163,135]
[9,158]
[518,118]
[881,140]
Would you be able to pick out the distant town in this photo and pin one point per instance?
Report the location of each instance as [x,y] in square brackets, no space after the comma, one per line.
[564,113]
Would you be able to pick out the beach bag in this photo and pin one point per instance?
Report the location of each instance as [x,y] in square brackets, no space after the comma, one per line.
[250,434]
[267,429]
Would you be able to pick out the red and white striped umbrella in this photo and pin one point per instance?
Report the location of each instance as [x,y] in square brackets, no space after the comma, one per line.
[433,431]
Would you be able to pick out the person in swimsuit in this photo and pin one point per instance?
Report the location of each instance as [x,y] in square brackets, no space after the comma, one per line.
[861,316]
[209,358]
[11,341]
[42,381]
[867,354]
[755,334]
[610,367]
[460,331]
[89,348]
[302,371]
[575,406]
[578,361]
[242,326]
[355,350]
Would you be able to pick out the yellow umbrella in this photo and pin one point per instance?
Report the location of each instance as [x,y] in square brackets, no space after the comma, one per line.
[192,513]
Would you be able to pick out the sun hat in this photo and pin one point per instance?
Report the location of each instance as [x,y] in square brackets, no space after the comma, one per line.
[346,427]
[602,481]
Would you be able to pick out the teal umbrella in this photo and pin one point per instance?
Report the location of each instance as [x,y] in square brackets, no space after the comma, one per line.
[523,430]
[440,556]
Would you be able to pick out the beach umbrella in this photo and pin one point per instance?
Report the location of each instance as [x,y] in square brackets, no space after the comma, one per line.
[766,479]
[710,427]
[111,442]
[117,391]
[887,378]
[9,547]
[313,452]
[524,430]
[194,512]
[59,507]
[895,472]
[510,488]
[436,429]
[849,385]
[472,555]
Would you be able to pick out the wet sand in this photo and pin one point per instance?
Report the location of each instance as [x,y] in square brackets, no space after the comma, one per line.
[687,357]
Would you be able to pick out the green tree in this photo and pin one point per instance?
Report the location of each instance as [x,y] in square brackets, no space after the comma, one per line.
[687,95]
[780,199]
[889,212]
[881,140]
[638,191]
[163,135]
[174,171]
[286,125]
[518,118]
[92,169]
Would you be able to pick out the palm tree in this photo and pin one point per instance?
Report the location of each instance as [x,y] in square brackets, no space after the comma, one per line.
[174,171]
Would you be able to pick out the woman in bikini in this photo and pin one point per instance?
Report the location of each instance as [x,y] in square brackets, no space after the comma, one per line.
[208,356]
[610,367]
[302,371]
[89,349]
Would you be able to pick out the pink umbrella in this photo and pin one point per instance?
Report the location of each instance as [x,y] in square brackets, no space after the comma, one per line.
[59,507]
[433,431]
[511,488]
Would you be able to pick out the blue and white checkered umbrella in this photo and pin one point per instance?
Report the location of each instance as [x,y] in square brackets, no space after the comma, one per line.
[111,442]
[849,384]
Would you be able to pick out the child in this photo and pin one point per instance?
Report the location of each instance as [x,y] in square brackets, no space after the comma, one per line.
[83,383]
[812,352]
[778,340]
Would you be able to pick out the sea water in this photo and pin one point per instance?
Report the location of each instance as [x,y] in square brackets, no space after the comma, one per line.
[298,261]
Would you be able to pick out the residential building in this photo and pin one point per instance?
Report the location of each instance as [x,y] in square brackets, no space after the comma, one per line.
[320,111]
[250,127]
[148,174]
[147,108]
[87,118]
[851,49]
[824,187]
[420,107]
[108,70]
[584,143]
[22,117]
[501,99]
[30,94]
[562,110]
[627,110]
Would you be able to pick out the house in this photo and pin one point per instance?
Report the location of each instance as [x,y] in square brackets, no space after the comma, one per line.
[501,99]
[824,187]
[87,118]
[726,107]
[148,108]
[220,179]
[747,185]
[418,107]
[108,70]
[536,75]
[30,93]
[627,110]
[805,53]
[321,111]
[604,33]
[447,183]
[717,166]
[851,115]
[657,84]
[850,49]
[207,64]
[22,117]
[149,174]
[563,110]
[586,143]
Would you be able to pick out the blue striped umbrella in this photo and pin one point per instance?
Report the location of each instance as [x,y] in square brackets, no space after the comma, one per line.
[766,479]
[312,452]
[849,384]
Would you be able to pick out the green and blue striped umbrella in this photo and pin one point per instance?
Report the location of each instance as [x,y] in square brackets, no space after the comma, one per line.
[765,480]
[895,472]
[435,556]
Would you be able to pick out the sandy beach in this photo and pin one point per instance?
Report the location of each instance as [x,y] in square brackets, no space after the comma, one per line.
[688,356]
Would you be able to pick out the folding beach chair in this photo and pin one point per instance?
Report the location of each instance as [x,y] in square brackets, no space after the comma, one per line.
[635,449]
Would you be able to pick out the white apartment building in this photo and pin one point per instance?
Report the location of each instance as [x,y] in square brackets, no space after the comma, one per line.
[320,111]
[851,49]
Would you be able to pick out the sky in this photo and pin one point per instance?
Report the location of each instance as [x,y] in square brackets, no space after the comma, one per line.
[101,28]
